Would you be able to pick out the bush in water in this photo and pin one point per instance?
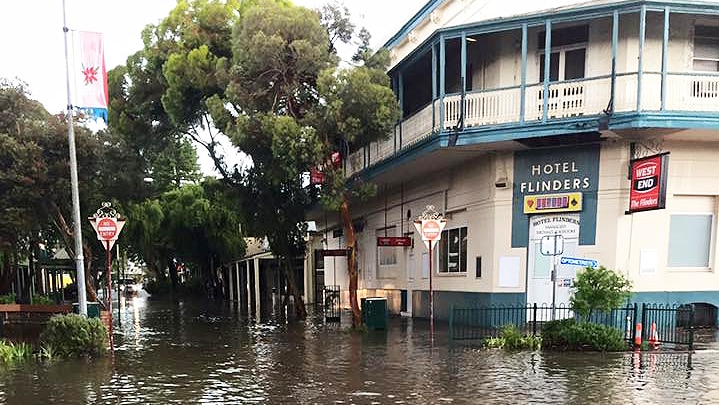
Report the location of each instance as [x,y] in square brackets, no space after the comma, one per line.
[75,335]
[568,334]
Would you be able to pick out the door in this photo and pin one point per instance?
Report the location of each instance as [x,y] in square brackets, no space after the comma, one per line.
[540,287]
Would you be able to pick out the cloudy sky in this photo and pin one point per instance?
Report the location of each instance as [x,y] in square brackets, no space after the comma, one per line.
[33,48]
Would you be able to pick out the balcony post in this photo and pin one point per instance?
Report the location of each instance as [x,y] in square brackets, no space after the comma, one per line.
[615,45]
[665,57]
[463,78]
[400,81]
[442,70]
[434,85]
[523,84]
[547,67]
[640,62]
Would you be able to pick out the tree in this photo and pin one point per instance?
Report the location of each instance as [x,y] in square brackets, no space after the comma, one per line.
[598,290]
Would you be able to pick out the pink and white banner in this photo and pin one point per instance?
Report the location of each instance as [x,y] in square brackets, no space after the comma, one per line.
[90,74]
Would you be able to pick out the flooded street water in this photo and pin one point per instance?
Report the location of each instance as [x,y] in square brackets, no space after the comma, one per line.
[191,353]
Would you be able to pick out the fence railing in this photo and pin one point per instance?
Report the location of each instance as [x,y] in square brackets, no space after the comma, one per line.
[332,303]
[674,324]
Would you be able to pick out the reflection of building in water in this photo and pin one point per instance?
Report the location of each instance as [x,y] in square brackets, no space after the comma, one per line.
[528,125]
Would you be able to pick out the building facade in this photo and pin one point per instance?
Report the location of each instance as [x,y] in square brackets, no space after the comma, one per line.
[521,128]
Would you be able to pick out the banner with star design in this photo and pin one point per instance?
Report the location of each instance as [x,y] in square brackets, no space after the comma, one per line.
[90,74]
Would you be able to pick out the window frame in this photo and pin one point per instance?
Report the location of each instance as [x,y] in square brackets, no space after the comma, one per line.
[444,243]
[711,242]
[714,39]
[389,231]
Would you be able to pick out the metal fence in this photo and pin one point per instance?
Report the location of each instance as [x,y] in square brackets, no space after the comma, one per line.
[332,303]
[672,324]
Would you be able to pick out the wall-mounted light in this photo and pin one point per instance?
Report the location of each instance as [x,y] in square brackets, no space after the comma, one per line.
[471,39]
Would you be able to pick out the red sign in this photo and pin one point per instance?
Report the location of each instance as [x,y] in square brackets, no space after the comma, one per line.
[336,159]
[394,241]
[332,252]
[316,176]
[431,230]
[107,228]
[649,183]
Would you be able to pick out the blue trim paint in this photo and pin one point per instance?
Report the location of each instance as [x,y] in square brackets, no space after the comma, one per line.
[676,297]
[665,57]
[444,300]
[434,85]
[640,61]
[463,76]
[523,85]
[442,73]
[547,68]
[615,44]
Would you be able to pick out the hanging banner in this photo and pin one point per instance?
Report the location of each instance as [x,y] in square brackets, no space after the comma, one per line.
[394,241]
[90,74]
[649,183]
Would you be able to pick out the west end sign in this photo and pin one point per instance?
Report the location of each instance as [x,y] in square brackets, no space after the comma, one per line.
[555,180]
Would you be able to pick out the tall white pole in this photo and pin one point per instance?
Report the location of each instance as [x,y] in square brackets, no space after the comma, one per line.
[77,229]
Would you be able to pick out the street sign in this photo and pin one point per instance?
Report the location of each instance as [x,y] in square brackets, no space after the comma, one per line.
[552,245]
[394,241]
[106,229]
[576,261]
[332,252]
[431,229]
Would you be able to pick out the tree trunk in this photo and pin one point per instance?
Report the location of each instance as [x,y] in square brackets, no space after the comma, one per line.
[90,275]
[299,303]
[351,263]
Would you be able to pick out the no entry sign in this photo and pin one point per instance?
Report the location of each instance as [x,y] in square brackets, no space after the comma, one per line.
[107,229]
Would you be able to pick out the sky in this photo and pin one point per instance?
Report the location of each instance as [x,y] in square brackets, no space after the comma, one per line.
[33,45]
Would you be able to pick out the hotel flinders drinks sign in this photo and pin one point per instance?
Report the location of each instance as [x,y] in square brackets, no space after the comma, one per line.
[649,183]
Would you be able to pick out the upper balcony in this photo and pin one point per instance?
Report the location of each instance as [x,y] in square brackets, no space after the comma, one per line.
[612,67]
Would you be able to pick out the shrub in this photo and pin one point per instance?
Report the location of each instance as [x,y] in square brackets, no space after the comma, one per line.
[512,339]
[7,299]
[568,334]
[38,299]
[598,290]
[12,353]
[74,335]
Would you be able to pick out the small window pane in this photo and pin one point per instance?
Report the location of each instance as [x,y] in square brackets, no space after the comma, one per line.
[553,67]
[443,252]
[705,65]
[706,48]
[463,250]
[690,240]
[574,64]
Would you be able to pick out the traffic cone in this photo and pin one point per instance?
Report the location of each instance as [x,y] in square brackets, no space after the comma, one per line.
[654,336]
[638,335]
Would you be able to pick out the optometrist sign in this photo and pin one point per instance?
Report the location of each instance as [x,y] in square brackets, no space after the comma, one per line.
[649,183]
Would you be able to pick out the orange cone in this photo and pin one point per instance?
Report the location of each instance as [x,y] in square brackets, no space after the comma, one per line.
[638,335]
[654,336]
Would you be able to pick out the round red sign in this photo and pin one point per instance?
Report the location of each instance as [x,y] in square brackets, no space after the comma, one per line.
[431,230]
[107,228]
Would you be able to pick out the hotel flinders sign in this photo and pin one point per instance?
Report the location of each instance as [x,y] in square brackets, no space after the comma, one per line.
[555,180]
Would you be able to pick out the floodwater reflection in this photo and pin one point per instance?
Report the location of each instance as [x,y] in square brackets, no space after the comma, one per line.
[186,352]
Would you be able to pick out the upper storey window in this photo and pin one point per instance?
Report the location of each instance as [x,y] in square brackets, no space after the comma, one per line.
[568,56]
[706,49]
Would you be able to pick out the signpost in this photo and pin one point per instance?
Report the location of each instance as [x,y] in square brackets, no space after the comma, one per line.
[108,225]
[553,245]
[430,224]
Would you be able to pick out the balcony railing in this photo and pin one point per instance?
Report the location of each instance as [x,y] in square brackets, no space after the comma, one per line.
[695,92]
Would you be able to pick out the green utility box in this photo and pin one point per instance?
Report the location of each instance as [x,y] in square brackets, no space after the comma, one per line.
[375,313]
[93,309]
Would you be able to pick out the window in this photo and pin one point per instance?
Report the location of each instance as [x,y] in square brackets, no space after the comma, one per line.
[387,255]
[453,251]
[568,58]
[706,49]
[690,237]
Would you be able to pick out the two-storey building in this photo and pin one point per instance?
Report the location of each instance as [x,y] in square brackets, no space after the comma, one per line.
[522,127]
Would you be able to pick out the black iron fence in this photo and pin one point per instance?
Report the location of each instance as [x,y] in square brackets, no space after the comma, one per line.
[672,324]
[332,303]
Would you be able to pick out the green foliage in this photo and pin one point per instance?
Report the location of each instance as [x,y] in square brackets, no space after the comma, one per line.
[7,298]
[38,299]
[74,335]
[158,287]
[598,290]
[13,353]
[512,339]
[568,334]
